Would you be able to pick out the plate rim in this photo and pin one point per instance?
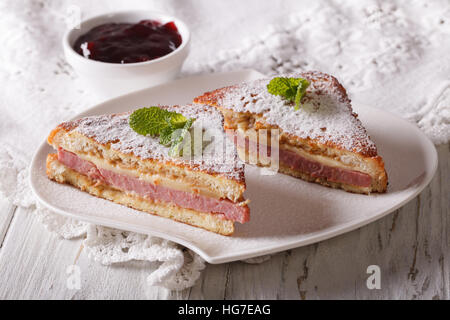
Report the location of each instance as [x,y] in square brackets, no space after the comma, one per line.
[314,237]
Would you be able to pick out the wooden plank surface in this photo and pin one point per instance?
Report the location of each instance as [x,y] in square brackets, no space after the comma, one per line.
[7,213]
[411,246]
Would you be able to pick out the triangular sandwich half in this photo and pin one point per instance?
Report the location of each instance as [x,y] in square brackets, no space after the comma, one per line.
[103,156]
[322,141]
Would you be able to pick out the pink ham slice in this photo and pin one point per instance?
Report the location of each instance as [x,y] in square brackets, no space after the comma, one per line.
[229,210]
[318,170]
[315,169]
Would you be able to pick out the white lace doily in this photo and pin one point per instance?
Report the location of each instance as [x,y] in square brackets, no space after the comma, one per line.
[392,55]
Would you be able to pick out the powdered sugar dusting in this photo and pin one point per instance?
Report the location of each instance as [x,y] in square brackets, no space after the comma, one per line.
[219,157]
[325,115]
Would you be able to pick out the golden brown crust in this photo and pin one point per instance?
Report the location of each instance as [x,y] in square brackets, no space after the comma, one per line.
[211,222]
[212,97]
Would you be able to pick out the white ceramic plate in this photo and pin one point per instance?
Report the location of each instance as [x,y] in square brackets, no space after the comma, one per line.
[285,212]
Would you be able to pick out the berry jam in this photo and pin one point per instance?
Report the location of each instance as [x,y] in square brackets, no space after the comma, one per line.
[128,43]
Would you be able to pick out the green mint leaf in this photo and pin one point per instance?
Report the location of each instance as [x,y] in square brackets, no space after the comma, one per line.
[285,87]
[172,127]
[291,89]
[149,121]
[177,120]
[301,91]
[165,138]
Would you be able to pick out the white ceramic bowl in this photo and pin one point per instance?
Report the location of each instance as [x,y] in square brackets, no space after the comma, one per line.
[113,79]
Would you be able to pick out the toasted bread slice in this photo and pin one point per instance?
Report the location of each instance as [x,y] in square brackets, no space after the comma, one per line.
[323,141]
[105,157]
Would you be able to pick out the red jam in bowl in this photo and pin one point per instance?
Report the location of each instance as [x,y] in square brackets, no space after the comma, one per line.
[129,43]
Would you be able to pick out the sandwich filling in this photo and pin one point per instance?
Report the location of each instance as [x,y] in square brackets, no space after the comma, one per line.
[156,193]
[296,162]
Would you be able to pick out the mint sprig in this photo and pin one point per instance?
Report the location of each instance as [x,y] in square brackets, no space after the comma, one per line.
[171,127]
[149,121]
[292,89]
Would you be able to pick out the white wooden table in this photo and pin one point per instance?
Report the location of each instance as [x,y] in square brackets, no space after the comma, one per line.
[411,246]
